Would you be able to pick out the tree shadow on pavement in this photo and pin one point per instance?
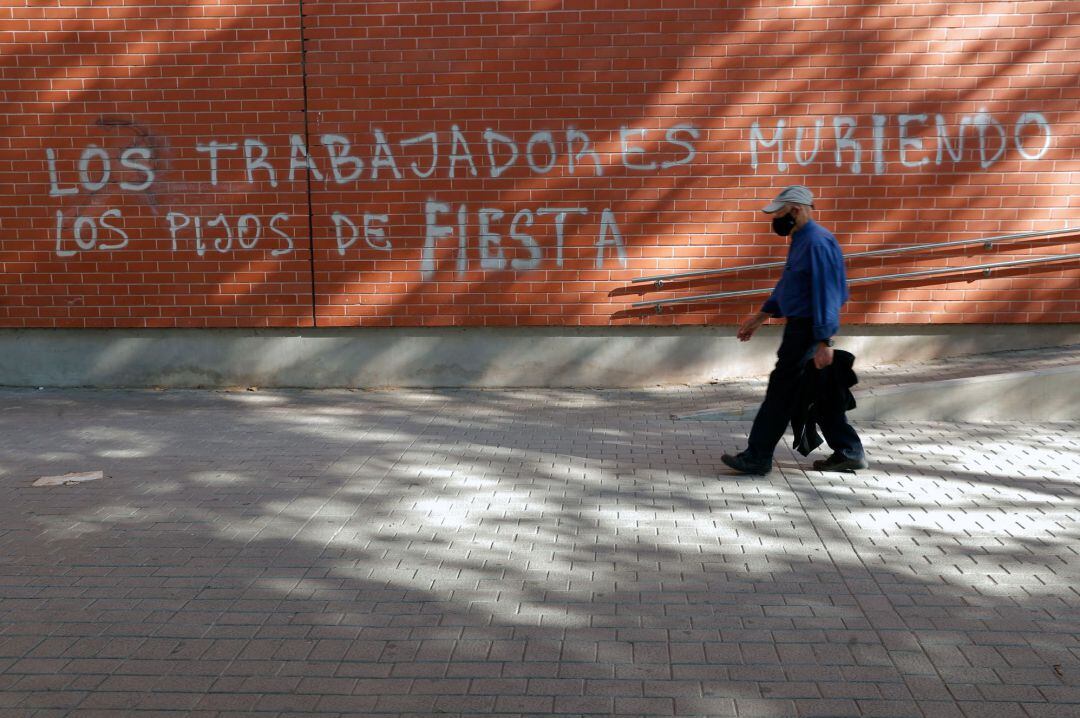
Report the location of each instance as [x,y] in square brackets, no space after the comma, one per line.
[521,553]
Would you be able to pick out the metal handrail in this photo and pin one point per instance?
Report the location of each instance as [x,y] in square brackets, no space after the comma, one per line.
[661,303]
[987,243]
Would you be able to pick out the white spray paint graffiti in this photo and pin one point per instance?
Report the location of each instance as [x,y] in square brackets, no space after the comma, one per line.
[86,233]
[542,153]
[249,230]
[95,181]
[492,238]
[374,228]
[1031,136]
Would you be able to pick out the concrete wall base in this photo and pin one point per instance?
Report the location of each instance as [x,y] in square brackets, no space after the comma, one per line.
[1019,396]
[472,357]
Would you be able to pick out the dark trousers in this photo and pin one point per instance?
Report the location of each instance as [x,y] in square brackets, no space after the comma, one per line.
[796,348]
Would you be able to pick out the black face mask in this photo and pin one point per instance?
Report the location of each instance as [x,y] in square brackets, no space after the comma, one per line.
[783,225]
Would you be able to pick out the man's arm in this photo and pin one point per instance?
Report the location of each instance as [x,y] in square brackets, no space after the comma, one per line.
[751,325]
[826,290]
[823,355]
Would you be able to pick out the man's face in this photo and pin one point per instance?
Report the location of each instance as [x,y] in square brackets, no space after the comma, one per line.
[785,220]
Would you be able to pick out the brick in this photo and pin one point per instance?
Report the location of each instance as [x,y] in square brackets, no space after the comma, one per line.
[904,65]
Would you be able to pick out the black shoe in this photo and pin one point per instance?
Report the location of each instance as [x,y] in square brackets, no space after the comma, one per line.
[740,463]
[839,462]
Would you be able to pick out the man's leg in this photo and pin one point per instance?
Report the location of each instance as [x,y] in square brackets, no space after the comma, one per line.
[840,435]
[848,454]
[775,413]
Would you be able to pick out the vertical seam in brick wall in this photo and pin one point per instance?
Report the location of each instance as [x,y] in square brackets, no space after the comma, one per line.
[307,143]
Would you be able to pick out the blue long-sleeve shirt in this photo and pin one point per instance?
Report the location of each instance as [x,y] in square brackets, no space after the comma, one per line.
[814,283]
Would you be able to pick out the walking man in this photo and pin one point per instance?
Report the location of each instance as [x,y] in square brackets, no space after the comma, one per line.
[809,295]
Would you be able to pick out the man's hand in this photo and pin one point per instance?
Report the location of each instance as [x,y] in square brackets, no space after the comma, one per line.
[823,356]
[750,325]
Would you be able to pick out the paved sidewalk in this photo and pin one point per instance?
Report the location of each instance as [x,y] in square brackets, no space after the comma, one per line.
[514,553]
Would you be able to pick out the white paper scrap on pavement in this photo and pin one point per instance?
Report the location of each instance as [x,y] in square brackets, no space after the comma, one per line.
[68,479]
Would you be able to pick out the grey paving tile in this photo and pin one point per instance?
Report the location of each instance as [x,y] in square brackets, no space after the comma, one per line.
[525,553]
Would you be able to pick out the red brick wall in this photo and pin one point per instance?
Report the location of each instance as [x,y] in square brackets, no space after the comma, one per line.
[518,162]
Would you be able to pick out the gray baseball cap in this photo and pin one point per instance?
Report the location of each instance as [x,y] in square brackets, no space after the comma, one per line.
[795,194]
